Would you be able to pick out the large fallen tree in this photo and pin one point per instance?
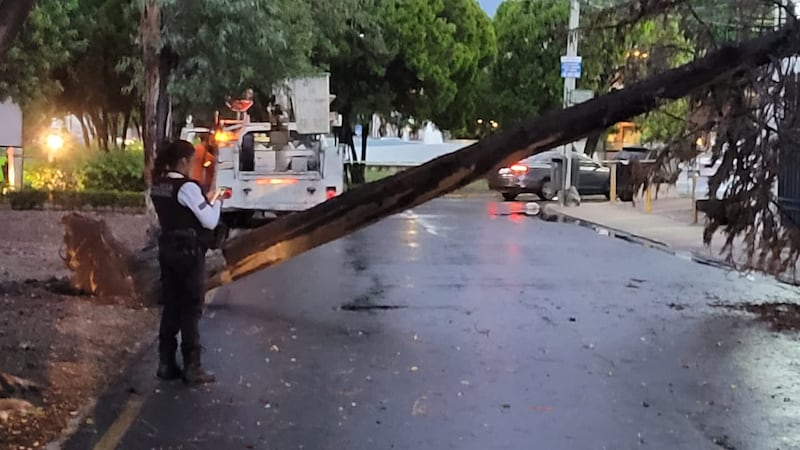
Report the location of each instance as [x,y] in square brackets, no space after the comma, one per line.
[101,265]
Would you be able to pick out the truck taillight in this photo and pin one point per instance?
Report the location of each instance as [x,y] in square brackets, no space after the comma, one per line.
[263,181]
[330,192]
[228,193]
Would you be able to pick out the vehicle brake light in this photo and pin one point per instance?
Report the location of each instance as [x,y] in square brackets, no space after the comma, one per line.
[227,194]
[519,168]
[330,192]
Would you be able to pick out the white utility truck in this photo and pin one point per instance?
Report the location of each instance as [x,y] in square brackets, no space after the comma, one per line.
[289,164]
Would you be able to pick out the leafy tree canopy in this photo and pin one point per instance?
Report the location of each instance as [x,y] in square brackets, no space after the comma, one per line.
[442,45]
[222,48]
[531,37]
[45,42]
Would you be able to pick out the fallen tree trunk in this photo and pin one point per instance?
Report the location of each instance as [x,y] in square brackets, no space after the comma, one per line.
[291,235]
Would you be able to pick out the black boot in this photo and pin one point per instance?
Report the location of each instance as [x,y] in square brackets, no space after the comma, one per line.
[168,368]
[193,372]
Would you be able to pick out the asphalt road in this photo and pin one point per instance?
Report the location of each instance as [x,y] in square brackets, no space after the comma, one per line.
[449,327]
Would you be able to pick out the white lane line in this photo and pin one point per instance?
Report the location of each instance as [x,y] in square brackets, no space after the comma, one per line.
[425,222]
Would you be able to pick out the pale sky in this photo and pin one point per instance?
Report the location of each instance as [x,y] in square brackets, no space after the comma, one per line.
[490,5]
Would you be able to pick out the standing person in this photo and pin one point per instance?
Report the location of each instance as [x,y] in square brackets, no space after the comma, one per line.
[187,222]
[203,166]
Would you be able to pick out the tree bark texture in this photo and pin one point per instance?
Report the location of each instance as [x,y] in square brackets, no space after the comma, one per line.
[163,104]
[292,235]
[87,139]
[126,124]
[150,35]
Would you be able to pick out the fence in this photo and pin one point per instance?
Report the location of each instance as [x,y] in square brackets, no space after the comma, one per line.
[789,188]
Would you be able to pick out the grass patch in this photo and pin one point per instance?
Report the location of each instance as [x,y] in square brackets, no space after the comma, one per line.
[476,187]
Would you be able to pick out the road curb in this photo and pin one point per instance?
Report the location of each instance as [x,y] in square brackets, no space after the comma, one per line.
[478,194]
[136,382]
[644,241]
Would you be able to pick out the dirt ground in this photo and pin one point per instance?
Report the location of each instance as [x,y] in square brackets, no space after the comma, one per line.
[72,346]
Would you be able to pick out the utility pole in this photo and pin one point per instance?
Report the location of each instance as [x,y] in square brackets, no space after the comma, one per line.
[570,71]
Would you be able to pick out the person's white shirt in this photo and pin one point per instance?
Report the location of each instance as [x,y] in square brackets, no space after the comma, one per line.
[192,197]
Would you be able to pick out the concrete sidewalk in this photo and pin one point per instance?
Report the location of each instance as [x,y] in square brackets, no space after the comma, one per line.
[670,222]
[668,225]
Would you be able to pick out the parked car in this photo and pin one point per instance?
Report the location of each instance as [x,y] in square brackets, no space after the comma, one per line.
[532,176]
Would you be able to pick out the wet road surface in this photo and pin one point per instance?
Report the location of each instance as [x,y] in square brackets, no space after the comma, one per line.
[447,327]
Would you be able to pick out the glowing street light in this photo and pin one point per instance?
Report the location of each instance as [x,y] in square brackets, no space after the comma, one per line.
[55,142]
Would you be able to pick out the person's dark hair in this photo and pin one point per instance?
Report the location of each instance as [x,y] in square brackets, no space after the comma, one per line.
[169,154]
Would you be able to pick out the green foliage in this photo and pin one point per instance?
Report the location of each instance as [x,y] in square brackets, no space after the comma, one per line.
[351,43]
[442,46]
[50,177]
[27,199]
[616,56]
[115,171]
[419,58]
[74,200]
[223,48]
[92,170]
[474,52]
[531,36]
[27,72]
[665,124]
[96,79]
[45,42]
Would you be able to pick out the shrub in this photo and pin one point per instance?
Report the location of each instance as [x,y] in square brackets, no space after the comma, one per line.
[23,200]
[51,177]
[118,170]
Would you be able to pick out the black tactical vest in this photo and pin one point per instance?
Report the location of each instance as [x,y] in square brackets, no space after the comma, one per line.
[172,216]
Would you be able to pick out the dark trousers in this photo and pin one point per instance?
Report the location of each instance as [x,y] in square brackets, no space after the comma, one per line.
[183,291]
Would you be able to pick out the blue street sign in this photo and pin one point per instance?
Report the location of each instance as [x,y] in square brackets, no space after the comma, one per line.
[571,66]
